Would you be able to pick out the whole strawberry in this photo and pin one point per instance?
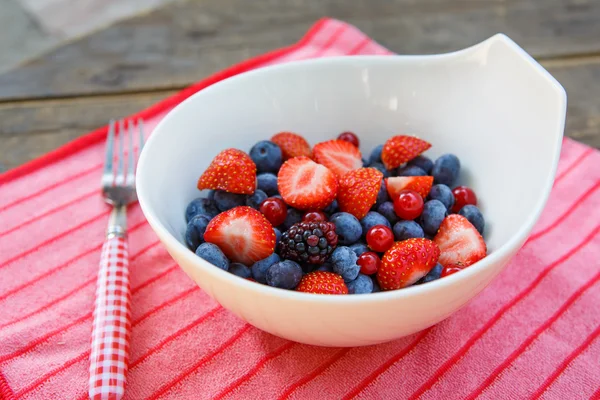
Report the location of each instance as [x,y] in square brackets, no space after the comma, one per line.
[358,191]
[400,149]
[322,282]
[231,170]
[406,262]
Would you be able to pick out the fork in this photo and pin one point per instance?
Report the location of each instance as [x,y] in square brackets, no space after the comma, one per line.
[111,329]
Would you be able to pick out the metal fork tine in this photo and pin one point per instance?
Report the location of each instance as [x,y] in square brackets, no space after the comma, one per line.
[108,154]
[130,158]
[120,162]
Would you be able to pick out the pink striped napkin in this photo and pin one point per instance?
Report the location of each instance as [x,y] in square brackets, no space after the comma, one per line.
[532,333]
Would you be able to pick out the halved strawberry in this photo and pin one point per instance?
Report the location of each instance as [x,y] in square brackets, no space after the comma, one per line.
[460,243]
[400,149]
[338,155]
[231,170]
[243,234]
[322,282]
[406,262]
[292,145]
[358,191]
[420,184]
[306,185]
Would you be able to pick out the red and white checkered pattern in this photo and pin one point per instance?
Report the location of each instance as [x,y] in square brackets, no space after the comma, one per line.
[112,323]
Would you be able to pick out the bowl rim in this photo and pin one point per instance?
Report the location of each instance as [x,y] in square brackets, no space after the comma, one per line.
[512,244]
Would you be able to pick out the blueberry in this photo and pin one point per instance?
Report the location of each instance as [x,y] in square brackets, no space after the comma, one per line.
[376,287]
[371,219]
[363,284]
[432,216]
[200,206]
[379,166]
[435,273]
[407,229]
[226,201]
[240,270]
[284,275]
[410,170]
[359,248]
[442,193]
[256,199]
[375,154]
[211,195]
[267,156]
[474,216]
[277,235]
[293,216]
[327,267]
[347,227]
[387,210]
[446,169]
[267,182]
[422,162]
[213,254]
[194,233]
[382,195]
[331,208]
[344,263]
[259,268]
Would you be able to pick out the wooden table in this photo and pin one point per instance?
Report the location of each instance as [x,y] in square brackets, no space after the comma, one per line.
[133,64]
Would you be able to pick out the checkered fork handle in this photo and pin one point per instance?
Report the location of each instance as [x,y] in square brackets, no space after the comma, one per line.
[112,323]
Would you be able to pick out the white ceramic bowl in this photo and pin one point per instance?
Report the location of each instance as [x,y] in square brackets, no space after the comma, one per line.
[491,104]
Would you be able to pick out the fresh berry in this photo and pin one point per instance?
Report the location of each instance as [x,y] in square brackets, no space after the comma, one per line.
[474,216]
[350,138]
[432,216]
[277,235]
[376,154]
[308,242]
[267,156]
[226,201]
[259,268]
[344,263]
[292,145]
[411,170]
[434,274]
[445,169]
[211,195]
[387,210]
[407,230]
[322,282]
[240,270]
[338,155]
[369,263]
[275,210]
[306,185]
[359,248]
[363,284]
[422,162]
[293,217]
[381,168]
[382,195]
[194,232]
[459,241]
[408,205]
[314,216]
[449,270]
[358,191]
[213,254]
[380,238]
[285,274]
[256,199]
[371,219]
[420,184]
[200,206]
[406,262]
[400,149]
[243,234]
[332,208]
[267,182]
[231,170]
[463,196]
[442,193]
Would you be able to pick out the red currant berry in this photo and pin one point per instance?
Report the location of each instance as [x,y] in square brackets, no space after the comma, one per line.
[449,270]
[380,238]
[463,196]
[274,209]
[408,205]
[349,137]
[369,263]
[314,216]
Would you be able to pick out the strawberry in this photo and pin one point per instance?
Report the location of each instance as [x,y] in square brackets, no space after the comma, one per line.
[292,145]
[420,184]
[459,241]
[400,149]
[231,170]
[338,155]
[322,282]
[306,185]
[243,234]
[406,262]
[358,191]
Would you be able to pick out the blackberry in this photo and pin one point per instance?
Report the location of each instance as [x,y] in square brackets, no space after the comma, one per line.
[308,242]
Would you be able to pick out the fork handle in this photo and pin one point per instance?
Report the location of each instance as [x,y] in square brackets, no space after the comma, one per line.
[111,329]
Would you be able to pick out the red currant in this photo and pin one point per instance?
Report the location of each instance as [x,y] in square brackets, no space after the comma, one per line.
[380,238]
[349,137]
[449,270]
[463,196]
[369,263]
[274,209]
[314,216]
[408,205]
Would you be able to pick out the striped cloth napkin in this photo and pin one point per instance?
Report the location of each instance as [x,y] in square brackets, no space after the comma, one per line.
[532,333]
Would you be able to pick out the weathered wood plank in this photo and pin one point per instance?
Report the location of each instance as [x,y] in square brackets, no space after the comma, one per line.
[183,42]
